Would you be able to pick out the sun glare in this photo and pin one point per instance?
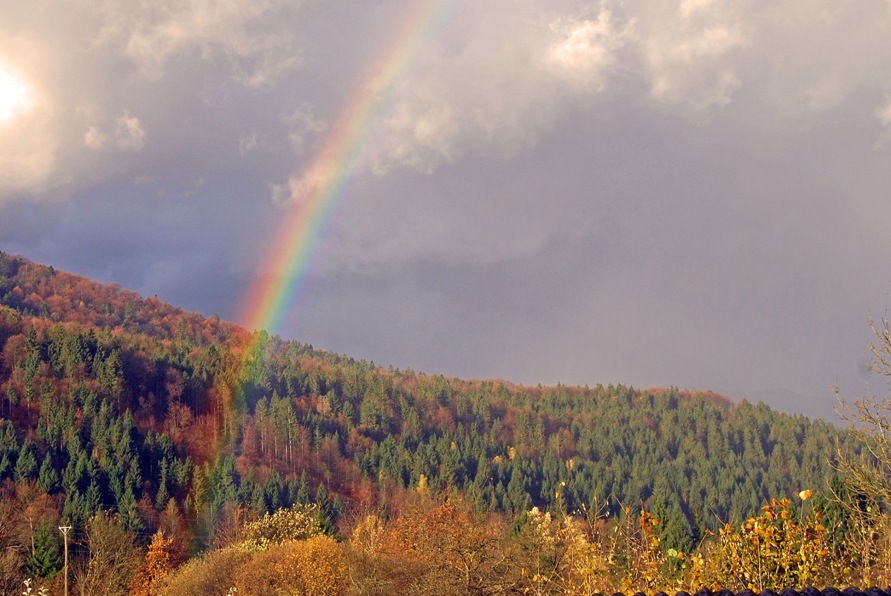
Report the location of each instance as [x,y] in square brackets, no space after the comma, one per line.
[15,96]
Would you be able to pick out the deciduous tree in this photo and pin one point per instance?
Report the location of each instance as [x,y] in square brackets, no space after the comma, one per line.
[112,557]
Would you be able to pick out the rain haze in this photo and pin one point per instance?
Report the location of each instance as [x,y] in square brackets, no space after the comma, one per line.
[691,193]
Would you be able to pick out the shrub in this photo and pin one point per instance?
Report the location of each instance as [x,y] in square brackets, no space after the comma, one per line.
[298,522]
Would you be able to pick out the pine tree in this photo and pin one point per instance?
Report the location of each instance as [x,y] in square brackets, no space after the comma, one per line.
[163,494]
[48,478]
[93,498]
[303,491]
[325,512]
[26,466]
[6,467]
[9,448]
[46,560]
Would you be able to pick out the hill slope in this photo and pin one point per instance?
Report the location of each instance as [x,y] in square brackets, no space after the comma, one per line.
[110,400]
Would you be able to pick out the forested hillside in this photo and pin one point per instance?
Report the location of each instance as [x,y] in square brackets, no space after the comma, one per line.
[175,421]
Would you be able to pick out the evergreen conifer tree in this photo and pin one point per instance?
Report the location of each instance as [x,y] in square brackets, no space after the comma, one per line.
[26,465]
[48,478]
[46,560]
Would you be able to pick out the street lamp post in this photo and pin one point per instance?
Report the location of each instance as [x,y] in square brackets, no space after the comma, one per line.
[65,530]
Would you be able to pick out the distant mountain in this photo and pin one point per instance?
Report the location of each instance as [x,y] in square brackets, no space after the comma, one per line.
[109,400]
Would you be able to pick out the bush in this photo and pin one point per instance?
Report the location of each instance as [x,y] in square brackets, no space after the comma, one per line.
[774,550]
[313,566]
[298,522]
[212,574]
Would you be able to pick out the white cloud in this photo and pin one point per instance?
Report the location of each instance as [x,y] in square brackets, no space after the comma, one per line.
[416,132]
[303,126]
[15,96]
[515,68]
[689,8]
[883,114]
[823,95]
[303,188]
[586,48]
[248,143]
[129,133]
[807,59]
[259,49]
[686,56]
[95,138]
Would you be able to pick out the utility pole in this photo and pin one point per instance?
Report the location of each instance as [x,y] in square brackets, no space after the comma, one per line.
[65,530]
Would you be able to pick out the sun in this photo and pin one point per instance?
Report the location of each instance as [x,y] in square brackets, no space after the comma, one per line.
[15,95]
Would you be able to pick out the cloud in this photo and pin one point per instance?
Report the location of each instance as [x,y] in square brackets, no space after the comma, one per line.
[95,138]
[883,114]
[259,49]
[417,132]
[129,133]
[518,65]
[303,125]
[686,55]
[689,8]
[586,49]
[254,78]
[504,81]
[113,74]
[15,96]
[303,188]
[804,62]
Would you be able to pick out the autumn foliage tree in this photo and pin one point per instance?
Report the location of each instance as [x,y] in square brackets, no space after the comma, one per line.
[112,560]
[156,566]
[449,546]
[778,549]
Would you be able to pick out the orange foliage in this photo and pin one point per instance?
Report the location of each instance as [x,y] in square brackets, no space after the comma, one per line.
[158,563]
[454,548]
[313,566]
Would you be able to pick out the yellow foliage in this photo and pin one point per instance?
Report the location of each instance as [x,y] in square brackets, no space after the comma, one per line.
[298,522]
[212,573]
[368,534]
[573,555]
[422,487]
[773,550]
[442,546]
[316,565]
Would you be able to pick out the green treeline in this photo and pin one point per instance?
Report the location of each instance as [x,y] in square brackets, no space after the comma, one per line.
[109,401]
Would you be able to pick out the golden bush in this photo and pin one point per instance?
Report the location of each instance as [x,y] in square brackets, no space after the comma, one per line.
[298,522]
[774,550]
[213,573]
[315,566]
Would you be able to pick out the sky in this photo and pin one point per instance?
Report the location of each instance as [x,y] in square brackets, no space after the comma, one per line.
[689,193]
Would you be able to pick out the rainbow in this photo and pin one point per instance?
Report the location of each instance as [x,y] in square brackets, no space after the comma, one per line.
[324,180]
